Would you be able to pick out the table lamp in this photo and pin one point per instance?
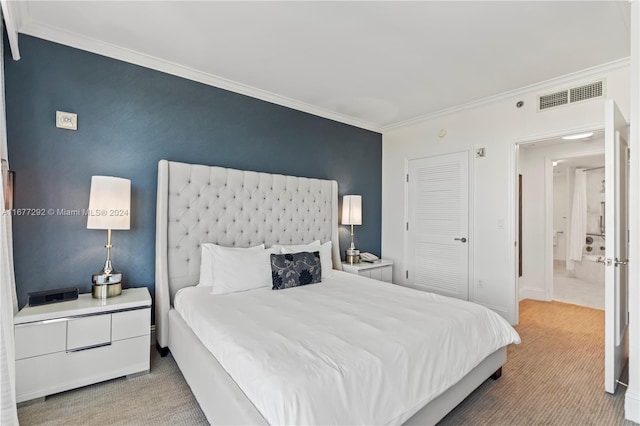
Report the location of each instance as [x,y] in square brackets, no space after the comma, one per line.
[352,215]
[109,208]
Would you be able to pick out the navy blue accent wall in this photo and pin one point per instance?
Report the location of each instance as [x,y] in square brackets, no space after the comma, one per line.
[129,117]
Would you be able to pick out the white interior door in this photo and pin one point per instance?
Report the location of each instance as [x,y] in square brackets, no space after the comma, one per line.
[616,238]
[438,224]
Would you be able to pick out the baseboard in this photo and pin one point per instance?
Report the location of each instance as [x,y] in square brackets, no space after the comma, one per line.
[632,407]
[532,293]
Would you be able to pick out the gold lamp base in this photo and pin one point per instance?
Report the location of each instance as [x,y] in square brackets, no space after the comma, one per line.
[103,291]
[106,283]
[352,256]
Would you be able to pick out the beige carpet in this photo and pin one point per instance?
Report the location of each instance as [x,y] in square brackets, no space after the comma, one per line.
[161,397]
[553,378]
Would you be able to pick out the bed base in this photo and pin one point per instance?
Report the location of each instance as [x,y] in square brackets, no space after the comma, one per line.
[497,374]
[162,351]
[224,403]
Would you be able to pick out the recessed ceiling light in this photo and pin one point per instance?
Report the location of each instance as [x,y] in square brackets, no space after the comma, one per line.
[555,163]
[578,136]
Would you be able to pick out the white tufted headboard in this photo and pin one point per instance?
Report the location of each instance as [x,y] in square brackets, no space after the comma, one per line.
[206,204]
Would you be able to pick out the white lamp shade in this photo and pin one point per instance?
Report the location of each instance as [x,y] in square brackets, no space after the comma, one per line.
[352,210]
[109,203]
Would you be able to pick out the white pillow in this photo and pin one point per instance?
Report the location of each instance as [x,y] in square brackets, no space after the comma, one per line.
[296,247]
[206,259]
[326,261]
[235,271]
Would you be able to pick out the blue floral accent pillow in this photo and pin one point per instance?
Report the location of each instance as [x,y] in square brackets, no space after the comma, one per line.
[295,269]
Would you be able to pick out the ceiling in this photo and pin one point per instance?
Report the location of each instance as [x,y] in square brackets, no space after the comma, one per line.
[582,162]
[549,146]
[371,64]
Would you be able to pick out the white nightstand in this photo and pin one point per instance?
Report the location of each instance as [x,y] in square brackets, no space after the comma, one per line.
[66,345]
[381,270]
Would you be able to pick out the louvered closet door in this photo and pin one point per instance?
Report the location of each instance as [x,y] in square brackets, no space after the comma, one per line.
[437,235]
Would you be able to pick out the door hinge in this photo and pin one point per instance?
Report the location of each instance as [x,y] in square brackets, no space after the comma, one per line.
[407,177]
[406,274]
[407,226]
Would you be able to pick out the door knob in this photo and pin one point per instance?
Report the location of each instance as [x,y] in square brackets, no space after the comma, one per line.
[462,240]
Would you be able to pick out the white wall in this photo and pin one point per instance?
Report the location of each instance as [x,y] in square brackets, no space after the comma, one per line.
[632,396]
[494,126]
[560,213]
[537,255]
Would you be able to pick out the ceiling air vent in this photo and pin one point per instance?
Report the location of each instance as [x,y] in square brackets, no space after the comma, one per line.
[554,99]
[572,95]
[588,91]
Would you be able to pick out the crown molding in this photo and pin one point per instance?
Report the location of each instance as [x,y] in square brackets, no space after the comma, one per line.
[67,38]
[14,14]
[88,44]
[548,84]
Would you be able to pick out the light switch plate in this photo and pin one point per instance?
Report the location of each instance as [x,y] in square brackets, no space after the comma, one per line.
[66,120]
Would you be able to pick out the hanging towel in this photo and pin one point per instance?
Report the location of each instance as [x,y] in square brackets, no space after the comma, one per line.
[578,224]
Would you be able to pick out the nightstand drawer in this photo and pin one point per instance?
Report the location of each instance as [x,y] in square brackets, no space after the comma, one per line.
[40,338]
[376,273]
[86,332]
[125,325]
[387,274]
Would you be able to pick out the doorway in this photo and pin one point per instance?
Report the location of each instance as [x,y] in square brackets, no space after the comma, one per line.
[537,224]
[548,168]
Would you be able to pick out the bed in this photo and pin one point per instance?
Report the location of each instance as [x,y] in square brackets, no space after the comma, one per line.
[348,350]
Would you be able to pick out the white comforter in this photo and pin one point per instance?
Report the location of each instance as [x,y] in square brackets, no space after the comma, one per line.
[349,350]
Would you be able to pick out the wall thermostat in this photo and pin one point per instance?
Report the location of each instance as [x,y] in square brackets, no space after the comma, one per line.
[66,120]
